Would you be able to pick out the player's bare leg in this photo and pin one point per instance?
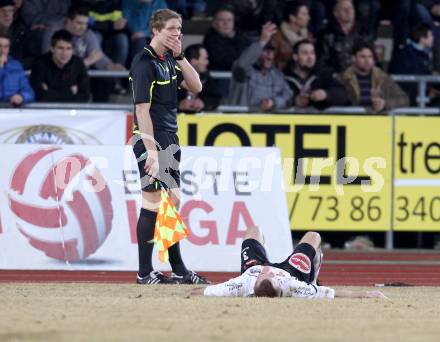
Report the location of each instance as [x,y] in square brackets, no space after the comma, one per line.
[314,239]
[253,232]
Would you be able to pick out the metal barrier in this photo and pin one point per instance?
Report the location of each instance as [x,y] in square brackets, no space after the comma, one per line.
[421,80]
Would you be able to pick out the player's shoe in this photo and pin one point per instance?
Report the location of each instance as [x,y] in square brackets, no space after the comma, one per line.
[155,277]
[190,278]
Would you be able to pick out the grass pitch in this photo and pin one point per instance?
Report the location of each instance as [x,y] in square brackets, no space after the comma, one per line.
[115,312]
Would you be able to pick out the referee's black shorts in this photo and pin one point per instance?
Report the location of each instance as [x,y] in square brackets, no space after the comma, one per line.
[168,148]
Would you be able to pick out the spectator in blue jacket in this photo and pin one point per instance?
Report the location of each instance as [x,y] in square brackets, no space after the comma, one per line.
[138,14]
[14,85]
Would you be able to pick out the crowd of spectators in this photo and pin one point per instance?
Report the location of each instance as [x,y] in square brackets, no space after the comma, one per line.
[281,53]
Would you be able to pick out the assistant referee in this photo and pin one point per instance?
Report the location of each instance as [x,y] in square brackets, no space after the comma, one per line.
[155,76]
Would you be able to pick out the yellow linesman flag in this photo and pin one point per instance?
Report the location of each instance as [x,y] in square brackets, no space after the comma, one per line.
[169,228]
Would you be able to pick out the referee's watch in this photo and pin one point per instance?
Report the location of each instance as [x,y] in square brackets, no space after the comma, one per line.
[180,56]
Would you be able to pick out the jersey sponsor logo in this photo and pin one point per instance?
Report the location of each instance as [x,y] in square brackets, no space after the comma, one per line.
[301,262]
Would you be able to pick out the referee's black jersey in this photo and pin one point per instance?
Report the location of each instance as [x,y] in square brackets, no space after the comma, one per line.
[155,79]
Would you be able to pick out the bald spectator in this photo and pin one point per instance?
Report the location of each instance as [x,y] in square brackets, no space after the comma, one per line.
[335,43]
[369,86]
[14,85]
[257,83]
[58,75]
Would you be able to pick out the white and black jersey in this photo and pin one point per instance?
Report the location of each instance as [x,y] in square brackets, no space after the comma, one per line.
[243,286]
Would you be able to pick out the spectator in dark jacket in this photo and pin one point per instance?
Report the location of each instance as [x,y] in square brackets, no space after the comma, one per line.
[210,96]
[369,86]
[335,43]
[310,88]
[22,48]
[223,43]
[14,85]
[251,15]
[87,47]
[39,16]
[413,58]
[58,75]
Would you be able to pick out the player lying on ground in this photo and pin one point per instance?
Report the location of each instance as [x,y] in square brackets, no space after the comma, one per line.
[295,277]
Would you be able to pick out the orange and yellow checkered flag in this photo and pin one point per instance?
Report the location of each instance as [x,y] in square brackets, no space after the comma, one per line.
[169,228]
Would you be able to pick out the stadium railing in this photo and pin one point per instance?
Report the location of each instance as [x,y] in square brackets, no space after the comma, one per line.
[421,80]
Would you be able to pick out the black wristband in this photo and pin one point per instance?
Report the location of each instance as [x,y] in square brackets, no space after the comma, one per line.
[180,57]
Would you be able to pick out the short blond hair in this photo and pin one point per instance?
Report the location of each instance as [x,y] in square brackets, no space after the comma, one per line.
[161,16]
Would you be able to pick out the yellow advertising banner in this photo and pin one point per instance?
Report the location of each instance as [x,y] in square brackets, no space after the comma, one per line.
[417,174]
[337,168]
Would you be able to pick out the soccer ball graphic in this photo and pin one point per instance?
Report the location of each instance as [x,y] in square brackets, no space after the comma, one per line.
[63,207]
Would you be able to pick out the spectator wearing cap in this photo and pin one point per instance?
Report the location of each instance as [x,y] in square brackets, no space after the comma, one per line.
[369,86]
[292,29]
[312,89]
[58,75]
[256,82]
[14,85]
[210,96]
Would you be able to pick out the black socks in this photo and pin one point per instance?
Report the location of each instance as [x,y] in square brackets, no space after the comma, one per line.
[145,234]
[176,260]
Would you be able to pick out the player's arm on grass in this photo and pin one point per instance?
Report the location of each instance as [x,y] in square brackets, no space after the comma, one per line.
[235,287]
[293,287]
